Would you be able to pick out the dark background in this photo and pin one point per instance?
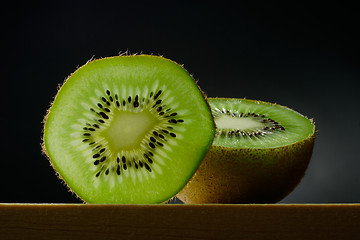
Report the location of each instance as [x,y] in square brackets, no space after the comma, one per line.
[302,56]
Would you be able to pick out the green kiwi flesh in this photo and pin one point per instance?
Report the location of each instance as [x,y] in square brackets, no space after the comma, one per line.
[128,129]
[259,154]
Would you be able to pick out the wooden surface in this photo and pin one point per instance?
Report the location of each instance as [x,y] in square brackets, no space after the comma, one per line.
[274,221]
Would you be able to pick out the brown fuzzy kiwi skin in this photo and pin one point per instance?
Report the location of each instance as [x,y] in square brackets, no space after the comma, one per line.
[245,175]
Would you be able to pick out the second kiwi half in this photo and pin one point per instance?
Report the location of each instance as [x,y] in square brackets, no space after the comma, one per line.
[259,155]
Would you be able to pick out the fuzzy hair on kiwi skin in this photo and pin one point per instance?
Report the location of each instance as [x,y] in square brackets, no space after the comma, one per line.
[243,175]
[43,144]
[46,154]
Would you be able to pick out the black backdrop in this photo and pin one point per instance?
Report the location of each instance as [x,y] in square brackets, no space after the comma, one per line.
[302,56]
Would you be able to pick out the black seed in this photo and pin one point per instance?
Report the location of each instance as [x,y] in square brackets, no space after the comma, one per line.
[160,144]
[108,92]
[123,102]
[141,164]
[91,129]
[152,139]
[104,99]
[150,160]
[87,134]
[136,98]
[91,109]
[96,155]
[108,103]
[96,162]
[165,131]
[151,145]
[172,121]
[124,166]
[117,104]
[180,120]
[103,159]
[111,99]
[85,128]
[99,105]
[107,171]
[118,160]
[123,159]
[173,114]
[116,97]
[136,166]
[161,136]
[241,114]
[104,115]
[147,167]
[162,113]
[173,134]
[136,104]
[151,94]
[155,133]
[85,140]
[129,99]
[118,170]
[157,94]
[151,153]
[102,121]
[91,143]
[157,102]
[95,125]
[282,128]
[98,174]
[107,110]
[159,109]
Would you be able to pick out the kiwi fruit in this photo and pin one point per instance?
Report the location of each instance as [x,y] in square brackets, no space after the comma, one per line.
[128,129]
[259,154]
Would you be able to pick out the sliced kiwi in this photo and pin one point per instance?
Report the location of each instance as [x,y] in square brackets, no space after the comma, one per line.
[259,154]
[128,129]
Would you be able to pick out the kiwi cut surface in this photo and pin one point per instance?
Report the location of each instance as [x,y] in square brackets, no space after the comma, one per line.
[128,129]
[259,154]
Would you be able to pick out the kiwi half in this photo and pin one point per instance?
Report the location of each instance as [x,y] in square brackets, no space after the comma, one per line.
[128,129]
[259,154]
